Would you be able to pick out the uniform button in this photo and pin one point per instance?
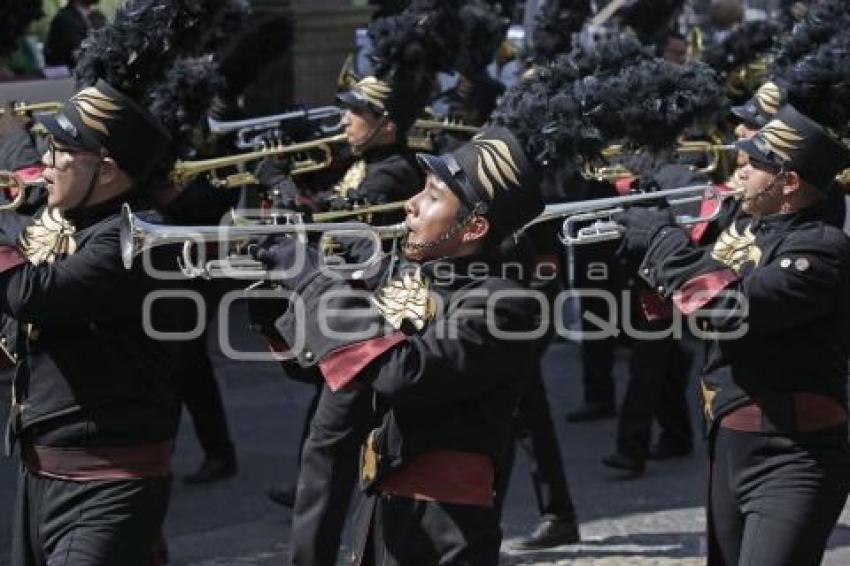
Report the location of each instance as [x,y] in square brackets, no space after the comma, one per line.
[660,288]
[646,271]
[308,355]
[785,263]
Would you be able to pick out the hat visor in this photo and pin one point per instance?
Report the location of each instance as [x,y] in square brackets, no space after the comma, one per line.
[436,165]
[744,115]
[351,99]
[755,154]
[51,124]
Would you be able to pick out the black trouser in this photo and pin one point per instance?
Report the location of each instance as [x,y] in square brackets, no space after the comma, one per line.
[658,380]
[94,523]
[774,499]
[407,532]
[328,474]
[595,269]
[536,436]
[201,393]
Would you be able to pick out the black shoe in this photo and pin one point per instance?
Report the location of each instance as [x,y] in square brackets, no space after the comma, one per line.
[591,412]
[551,532]
[212,469]
[667,449]
[634,466]
[282,495]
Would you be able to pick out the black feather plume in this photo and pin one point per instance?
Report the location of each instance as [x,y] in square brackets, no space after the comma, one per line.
[554,26]
[484,28]
[819,85]
[563,121]
[181,100]
[17,17]
[609,57]
[649,18]
[423,39]
[147,37]
[253,49]
[743,46]
[651,103]
[823,21]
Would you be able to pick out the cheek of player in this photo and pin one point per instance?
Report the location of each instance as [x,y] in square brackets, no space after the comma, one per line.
[759,197]
[429,215]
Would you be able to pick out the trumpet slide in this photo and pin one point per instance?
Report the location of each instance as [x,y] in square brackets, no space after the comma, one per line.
[138,236]
[599,212]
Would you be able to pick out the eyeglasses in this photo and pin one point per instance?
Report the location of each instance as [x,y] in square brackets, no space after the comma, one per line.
[52,148]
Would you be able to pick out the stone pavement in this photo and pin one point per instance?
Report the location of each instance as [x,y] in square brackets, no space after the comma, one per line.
[654,520]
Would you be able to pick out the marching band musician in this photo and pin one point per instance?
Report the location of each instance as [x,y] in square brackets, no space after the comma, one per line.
[96,395]
[377,118]
[773,289]
[409,48]
[95,429]
[451,400]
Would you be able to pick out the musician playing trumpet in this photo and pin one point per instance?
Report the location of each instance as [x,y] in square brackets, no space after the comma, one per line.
[376,122]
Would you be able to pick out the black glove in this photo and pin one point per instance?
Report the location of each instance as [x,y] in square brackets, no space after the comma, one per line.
[641,224]
[273,173]
[293,263]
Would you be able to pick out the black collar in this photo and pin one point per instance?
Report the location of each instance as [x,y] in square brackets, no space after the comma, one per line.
[93,214]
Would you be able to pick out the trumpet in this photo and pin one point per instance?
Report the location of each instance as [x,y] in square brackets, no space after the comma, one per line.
[253,132]
[365,211]
[714,154]
[420,135]
[184,171]
[600,212]
[9,181]
[24,108]
[138,236]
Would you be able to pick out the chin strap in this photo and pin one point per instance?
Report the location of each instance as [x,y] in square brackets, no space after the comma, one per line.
[448,234]
[768,190]
[359,148]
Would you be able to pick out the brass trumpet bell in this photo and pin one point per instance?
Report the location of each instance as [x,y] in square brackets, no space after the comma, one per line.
[11,182]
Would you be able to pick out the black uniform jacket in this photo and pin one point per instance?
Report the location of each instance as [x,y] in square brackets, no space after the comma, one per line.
[88,373]
[776,292]
[434,345]
[383,174]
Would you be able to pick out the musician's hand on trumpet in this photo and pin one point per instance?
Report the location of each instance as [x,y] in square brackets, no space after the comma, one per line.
[273,173]
[291,261]
[639,226]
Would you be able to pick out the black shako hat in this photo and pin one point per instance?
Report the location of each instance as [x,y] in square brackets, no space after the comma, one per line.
[491,175]
[795,142]
[763,105]
[101,118]
[382,97]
